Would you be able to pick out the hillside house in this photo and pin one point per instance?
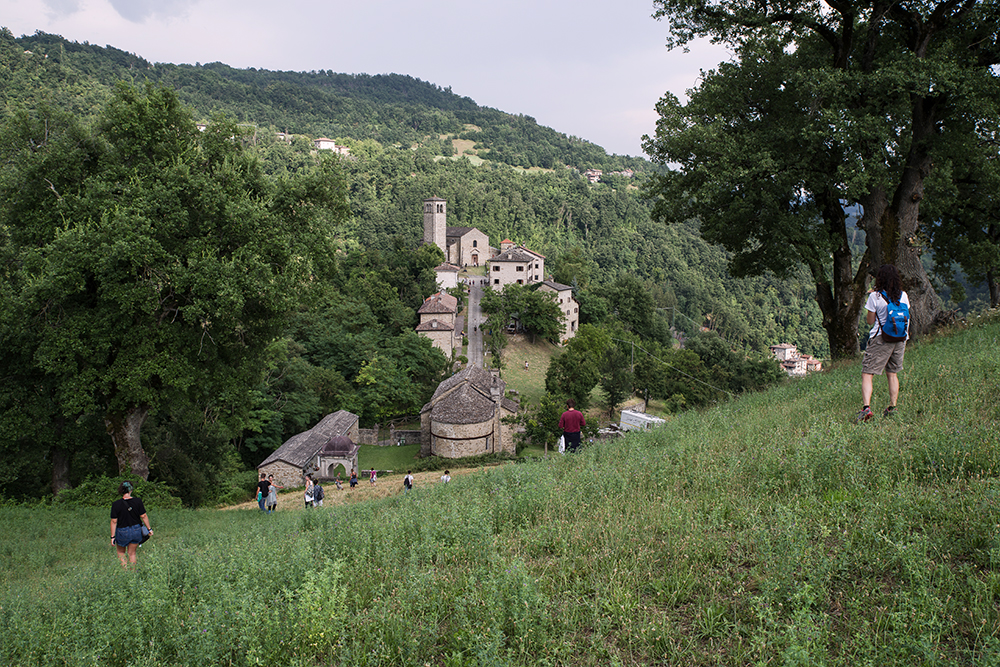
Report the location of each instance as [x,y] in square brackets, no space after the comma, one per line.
[515,265]
[569,306]
[593,175]
[302,454]
[463,417]
[324,144]
[447,276]
[437,322]
[793,362]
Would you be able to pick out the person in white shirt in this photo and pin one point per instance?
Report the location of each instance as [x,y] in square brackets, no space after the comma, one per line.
[882,352]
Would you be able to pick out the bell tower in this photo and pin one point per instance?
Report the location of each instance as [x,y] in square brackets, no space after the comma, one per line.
[436,223]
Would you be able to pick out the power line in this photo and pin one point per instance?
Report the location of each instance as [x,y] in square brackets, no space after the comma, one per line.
[669,365]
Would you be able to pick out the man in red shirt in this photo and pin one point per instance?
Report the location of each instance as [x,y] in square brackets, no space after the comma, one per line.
[571,422]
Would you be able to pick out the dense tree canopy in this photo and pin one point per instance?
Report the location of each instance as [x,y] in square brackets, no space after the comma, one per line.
[826,105]
[148,262]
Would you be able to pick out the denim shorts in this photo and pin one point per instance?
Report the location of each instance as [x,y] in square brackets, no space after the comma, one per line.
[128,535]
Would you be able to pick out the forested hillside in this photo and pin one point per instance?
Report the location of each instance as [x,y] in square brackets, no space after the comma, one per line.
[391,109]
[72,145]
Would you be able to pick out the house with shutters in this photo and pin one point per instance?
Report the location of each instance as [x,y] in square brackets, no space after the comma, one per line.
[515,265]
[569,306]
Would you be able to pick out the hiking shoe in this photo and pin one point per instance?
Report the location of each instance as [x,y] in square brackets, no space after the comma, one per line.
[889,411]
[863,415]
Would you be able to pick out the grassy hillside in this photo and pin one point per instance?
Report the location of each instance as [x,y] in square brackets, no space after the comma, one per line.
[770,530]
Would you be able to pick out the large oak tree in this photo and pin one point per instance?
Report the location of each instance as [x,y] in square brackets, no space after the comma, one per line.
[826,106]
[148,262]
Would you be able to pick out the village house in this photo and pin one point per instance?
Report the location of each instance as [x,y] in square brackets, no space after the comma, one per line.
[464,416]
[515,265]
[793,362]
[437,322]
[315,452]
[567,304]
[593,175]
[447,275]
[324,144]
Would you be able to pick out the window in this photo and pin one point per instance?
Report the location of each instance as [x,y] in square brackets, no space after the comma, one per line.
[475,243]
[520,282]
[520,268]
[440,208]
[496,281]
[496,267]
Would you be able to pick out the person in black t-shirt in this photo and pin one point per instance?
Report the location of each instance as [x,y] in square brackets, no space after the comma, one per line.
[263,488]
[127,514]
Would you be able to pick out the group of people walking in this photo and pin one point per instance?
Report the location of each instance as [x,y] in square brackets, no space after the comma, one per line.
[313,493]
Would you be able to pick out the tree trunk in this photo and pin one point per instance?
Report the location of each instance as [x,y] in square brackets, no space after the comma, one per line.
[893,228]
[840,302]
[991,282]
[60,470]
[124,431]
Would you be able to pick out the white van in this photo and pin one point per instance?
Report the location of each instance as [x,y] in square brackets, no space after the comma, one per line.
[632,420]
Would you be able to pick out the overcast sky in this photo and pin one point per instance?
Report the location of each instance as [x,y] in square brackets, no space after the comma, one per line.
[590,68]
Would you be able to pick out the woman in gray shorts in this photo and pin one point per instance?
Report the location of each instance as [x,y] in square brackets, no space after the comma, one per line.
[880,354]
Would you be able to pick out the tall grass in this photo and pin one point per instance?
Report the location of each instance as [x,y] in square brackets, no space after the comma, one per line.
[769,530]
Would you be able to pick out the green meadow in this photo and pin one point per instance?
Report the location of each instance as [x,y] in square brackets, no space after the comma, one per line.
[769,530]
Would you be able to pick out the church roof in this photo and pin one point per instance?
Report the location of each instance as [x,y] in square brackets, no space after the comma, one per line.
[467,397]
[460,231]
[475,375]
[445,267]
[465,405]
[300,449]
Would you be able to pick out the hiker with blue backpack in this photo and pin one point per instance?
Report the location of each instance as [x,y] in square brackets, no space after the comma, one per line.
[888,310]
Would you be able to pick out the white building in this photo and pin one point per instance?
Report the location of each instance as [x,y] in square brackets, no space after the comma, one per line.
[567,304]
[515,265]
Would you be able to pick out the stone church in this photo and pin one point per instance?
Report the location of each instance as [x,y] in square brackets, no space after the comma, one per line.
[462,246]
[463,417]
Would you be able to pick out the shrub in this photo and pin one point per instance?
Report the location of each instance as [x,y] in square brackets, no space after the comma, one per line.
[102,491]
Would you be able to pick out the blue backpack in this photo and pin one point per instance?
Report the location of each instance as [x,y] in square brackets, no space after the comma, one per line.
[897,319]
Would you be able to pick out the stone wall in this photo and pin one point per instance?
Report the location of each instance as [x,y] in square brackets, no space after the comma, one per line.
[411,437]
[367,436]
[453,441]
[285,474]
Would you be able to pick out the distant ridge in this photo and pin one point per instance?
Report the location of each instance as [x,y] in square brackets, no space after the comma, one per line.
[389,108]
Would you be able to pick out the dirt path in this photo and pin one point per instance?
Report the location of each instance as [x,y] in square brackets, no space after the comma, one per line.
[391,485]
